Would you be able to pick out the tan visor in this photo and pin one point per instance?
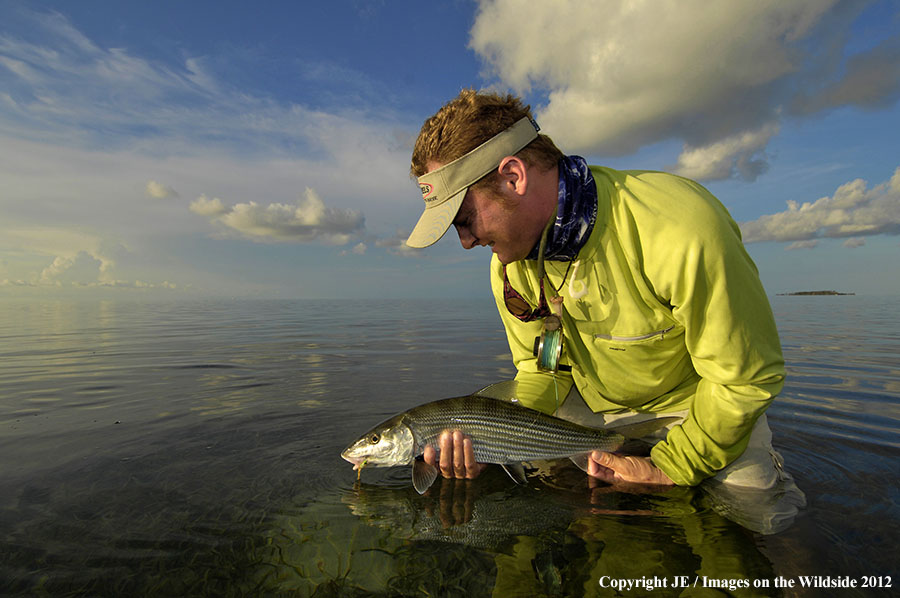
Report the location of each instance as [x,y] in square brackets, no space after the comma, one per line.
[444,188]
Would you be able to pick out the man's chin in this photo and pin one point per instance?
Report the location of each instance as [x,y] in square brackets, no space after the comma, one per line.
[504,257]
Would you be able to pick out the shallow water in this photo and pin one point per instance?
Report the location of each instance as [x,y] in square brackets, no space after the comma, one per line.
[192,448]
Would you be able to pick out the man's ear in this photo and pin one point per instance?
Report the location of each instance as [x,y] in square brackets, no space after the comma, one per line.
[513,175]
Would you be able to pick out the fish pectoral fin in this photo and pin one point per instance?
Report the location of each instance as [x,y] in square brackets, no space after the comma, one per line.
[514,470]
[423,475]
[581,461]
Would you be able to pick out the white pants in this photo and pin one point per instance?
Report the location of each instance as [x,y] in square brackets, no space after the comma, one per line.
[754,490]
[759,466]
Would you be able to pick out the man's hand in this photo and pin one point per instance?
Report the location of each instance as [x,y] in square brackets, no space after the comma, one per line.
[457,458]
[615,469]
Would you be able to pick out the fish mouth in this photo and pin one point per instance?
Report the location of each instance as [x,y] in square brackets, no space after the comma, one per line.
[354,460]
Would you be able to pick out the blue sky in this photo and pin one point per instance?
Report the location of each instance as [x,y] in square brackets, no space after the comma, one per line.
[246,149]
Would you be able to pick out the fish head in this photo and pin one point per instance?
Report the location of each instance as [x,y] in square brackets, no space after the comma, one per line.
[389,443]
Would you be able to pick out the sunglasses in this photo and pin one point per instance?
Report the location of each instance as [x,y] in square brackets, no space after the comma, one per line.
[518,307]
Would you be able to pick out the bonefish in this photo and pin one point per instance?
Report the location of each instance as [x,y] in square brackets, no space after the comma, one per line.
[501,430]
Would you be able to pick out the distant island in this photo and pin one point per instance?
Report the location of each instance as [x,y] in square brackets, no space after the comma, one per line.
[816,293]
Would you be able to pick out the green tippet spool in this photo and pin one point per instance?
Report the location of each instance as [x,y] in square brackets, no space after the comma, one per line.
[548,347]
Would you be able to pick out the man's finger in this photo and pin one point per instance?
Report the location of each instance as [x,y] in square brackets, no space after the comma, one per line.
[429,454]
[459,455]
[599,466]
[446,442]
[626,468]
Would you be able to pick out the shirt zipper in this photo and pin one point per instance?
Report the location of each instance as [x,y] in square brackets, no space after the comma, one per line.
[642,337]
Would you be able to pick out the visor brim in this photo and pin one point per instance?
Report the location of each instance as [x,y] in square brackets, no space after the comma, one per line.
[435,222]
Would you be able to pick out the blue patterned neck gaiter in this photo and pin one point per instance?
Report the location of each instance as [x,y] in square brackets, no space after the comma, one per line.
[576,213]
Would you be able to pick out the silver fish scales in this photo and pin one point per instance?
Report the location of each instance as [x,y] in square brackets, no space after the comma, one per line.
[503,432]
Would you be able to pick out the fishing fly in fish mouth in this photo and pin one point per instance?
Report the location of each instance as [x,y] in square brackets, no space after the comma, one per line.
[502,432]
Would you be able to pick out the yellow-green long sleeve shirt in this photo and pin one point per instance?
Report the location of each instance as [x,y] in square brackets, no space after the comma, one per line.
[663,310]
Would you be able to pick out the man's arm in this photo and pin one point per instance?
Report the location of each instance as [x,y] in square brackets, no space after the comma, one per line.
[697,263]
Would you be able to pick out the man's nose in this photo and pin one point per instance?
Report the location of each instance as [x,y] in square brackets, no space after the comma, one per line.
[465,236]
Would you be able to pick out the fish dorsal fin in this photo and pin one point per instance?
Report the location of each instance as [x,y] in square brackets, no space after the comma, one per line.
[423,475]
[516,471]
[645,428]
[503,391]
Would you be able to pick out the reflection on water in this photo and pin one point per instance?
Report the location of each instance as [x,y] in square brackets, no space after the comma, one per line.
[193,449]
[530,541]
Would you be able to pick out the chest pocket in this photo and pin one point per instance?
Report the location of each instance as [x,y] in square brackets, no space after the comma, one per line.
[633,367]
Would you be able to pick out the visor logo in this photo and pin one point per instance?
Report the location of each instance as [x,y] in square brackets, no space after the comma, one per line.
[426,189]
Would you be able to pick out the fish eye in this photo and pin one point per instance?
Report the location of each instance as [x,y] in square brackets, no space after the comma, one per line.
[374,438]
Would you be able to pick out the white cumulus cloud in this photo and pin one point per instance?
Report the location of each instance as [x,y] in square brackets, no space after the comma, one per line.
[810,244]
[853,212]
[739,155]
[157,190]
[80,267]
[205,206]
[358,249]
[307,220]
[717,75]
